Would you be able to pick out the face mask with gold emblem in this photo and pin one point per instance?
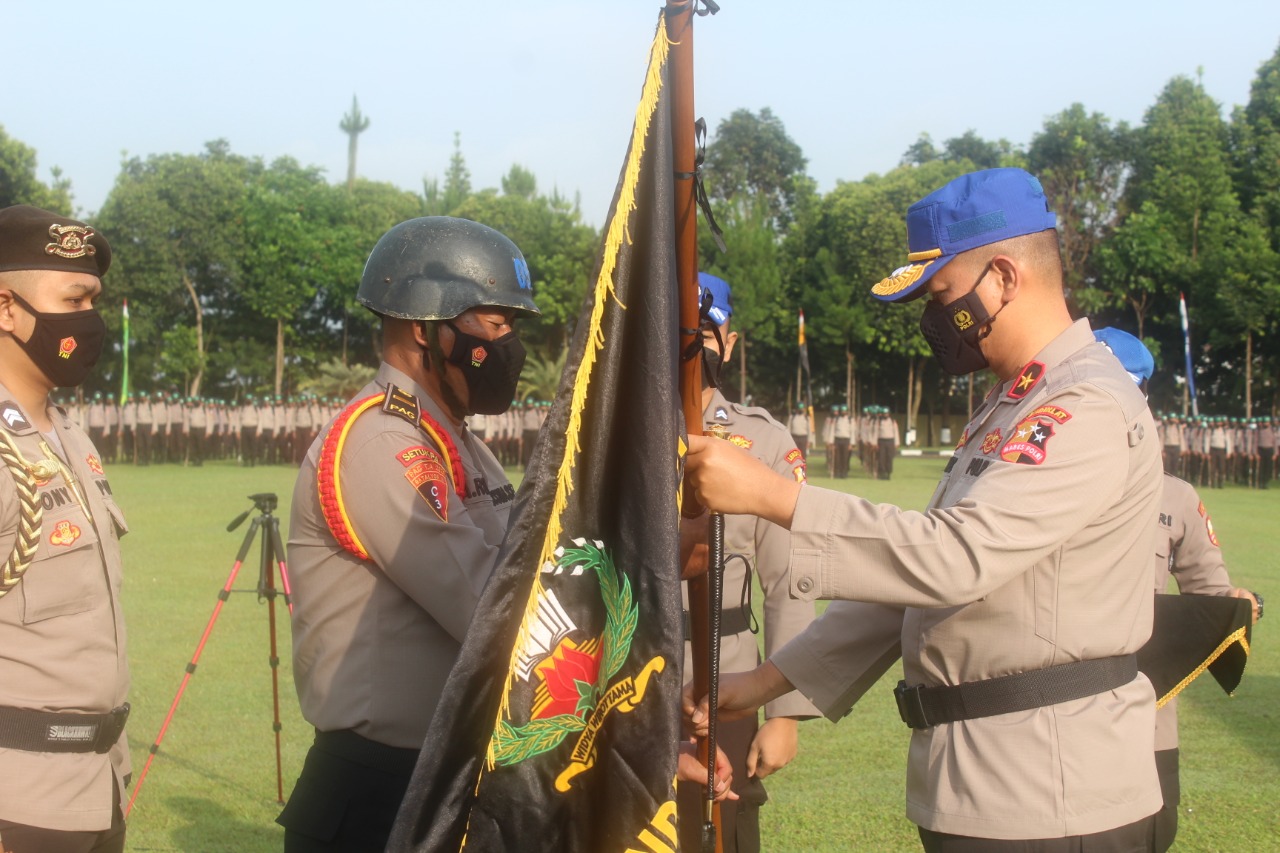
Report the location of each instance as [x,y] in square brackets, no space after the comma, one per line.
[954,331]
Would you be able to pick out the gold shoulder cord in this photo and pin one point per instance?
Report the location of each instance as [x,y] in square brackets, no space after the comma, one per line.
[30,510]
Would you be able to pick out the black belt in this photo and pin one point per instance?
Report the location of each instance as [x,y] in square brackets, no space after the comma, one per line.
[349,746]
[922,707]
[733,620]
[58,731]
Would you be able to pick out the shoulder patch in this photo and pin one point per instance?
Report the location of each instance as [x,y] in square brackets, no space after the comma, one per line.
[1059,415]
[428,476]
[13,418]
[401,403]
[1027,444]
[1208,524]
[795,456]
[412,454]
[1027,379]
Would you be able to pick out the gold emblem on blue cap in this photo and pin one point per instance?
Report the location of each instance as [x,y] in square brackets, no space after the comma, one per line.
[900,279]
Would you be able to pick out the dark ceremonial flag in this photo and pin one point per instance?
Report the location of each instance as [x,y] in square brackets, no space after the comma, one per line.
[558,728]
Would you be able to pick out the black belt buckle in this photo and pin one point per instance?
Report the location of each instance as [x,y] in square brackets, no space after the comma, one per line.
[910,706]
[109,729]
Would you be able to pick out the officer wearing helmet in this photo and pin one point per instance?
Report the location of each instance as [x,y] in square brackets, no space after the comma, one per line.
[397,517]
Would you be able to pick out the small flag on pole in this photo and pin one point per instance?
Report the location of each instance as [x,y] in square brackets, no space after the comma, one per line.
[124,351]
[1186,349]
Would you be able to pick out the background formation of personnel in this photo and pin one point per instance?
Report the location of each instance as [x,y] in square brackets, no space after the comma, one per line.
[1209,451]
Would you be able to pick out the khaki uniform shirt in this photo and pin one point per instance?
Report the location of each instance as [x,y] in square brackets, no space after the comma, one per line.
[1186,550]
[373,641]
[767,547]
[799,424]
[62,635]
[1033,551]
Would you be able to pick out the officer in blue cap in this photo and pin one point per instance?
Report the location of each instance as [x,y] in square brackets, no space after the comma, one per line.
[1018,599]
[758,548]
[1186,550]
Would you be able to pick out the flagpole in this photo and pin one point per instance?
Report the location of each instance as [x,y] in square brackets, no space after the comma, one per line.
[124,348]
[679,21]
[1186,350]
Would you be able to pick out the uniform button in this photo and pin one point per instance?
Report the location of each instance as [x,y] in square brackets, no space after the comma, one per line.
[805,584]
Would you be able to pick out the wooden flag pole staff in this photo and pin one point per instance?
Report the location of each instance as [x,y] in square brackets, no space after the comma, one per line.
[679,19]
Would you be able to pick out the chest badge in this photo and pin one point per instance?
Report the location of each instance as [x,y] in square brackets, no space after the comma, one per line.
[991,441]
[64,534]
[94,465]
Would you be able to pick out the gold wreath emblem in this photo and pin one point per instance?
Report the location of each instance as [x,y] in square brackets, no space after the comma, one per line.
[70,241]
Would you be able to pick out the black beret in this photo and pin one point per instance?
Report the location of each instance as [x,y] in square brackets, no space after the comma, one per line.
[35,239]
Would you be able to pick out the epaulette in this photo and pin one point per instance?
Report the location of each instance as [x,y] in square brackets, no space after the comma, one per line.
[395,401]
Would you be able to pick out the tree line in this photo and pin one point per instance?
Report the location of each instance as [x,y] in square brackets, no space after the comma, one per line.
[241,275]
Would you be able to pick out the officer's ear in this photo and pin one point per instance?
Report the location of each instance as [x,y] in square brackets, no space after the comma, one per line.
[1010,274]
[730,338]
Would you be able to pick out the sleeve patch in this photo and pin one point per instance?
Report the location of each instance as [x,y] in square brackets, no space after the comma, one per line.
[428,476]
[795,456]
[412,454]
[1027,445]
[1208,524]
[1059,415]
[800,473]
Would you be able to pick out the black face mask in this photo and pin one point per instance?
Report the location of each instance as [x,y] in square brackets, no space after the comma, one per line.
[954,330]
[65,346]
[712,364]
[490,368]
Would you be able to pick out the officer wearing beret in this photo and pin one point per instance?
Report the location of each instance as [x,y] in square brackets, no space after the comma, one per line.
[1186,550]
[756,546]
[1018,599]
[397,518]
[64,676]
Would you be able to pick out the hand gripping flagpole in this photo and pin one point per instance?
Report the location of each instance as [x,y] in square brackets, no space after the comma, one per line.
[679,22]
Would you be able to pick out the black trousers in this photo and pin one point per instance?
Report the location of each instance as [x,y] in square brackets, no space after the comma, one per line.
[195,445]
[249,446]
[1166,820]
[1266,457]
[884,459]
[347,796]
[842,458]
[1136,837]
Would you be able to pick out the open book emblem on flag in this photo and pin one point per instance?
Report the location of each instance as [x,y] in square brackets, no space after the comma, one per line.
[574,693]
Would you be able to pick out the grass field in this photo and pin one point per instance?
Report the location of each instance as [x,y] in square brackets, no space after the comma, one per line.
[212,786]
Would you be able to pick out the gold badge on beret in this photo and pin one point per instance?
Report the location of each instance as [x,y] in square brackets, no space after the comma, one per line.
[70,241]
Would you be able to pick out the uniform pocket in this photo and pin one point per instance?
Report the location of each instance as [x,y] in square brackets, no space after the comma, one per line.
[66,576]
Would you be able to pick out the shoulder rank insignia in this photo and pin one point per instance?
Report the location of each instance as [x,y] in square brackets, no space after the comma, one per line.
[722,414]
[399,402]
[13,418]
[1027,379]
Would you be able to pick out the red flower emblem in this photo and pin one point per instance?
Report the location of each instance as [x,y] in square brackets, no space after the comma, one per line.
[570,676]
[478,355]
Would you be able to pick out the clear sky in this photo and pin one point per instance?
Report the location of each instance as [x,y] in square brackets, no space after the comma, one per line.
[553,85]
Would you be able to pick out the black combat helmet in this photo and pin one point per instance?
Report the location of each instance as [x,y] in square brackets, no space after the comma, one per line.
[436,267]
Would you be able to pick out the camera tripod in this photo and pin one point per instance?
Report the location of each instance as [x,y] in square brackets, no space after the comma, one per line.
[273,555]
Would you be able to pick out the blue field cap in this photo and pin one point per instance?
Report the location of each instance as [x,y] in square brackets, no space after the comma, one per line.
[974,210]
[721,309]
[1134,356]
